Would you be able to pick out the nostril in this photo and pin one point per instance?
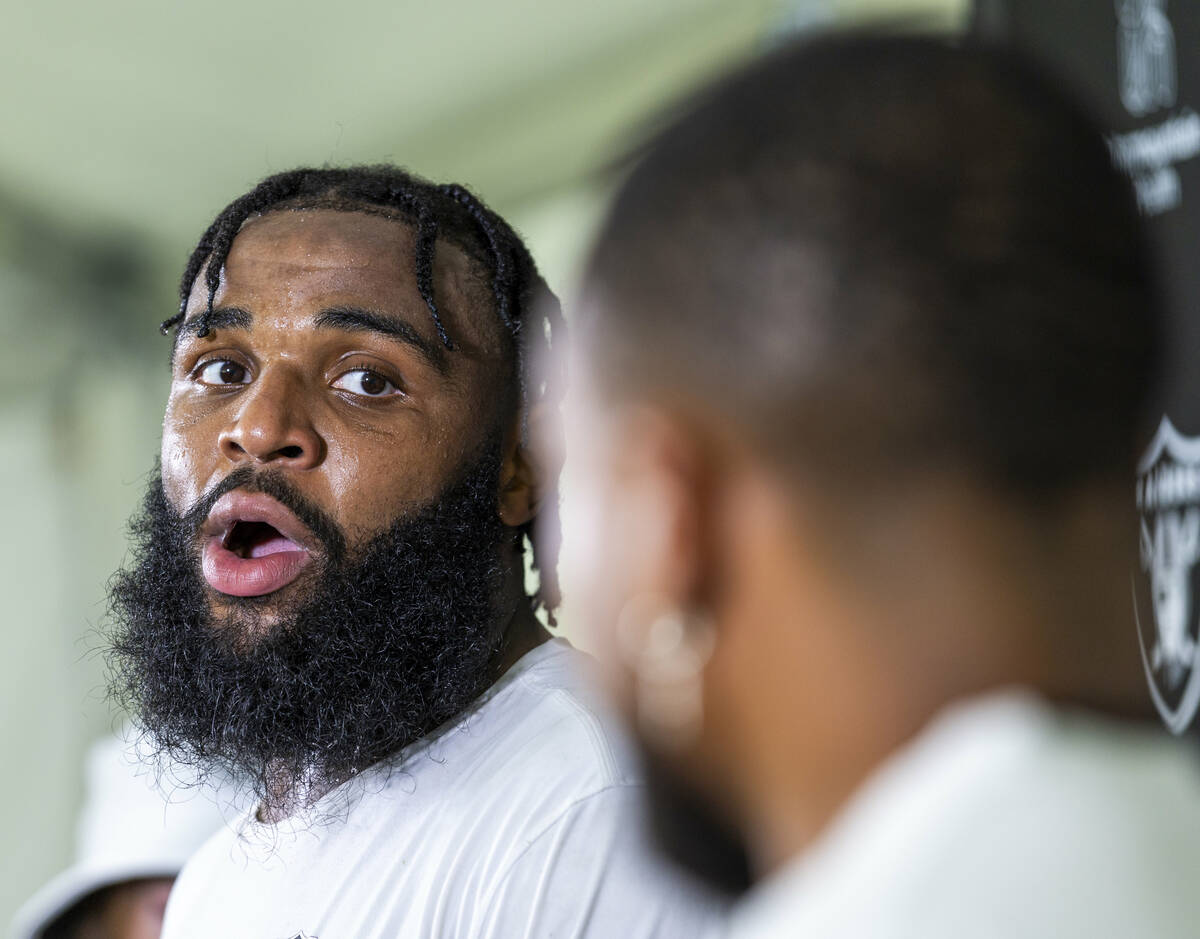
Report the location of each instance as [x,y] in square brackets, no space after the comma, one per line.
[290,452]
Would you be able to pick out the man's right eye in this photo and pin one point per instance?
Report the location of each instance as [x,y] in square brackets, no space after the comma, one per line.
[222,372]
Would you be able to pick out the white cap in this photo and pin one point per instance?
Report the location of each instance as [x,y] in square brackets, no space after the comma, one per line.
[137,821]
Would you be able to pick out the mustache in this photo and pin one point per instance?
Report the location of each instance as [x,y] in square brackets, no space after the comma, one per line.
[276,485]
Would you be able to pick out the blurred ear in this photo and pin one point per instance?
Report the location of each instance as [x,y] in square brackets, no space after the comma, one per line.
[664,475]
[532,463]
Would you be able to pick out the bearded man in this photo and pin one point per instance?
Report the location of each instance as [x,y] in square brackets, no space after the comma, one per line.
[327,595]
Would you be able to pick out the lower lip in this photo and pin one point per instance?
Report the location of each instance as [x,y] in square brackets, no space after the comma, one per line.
[236,576]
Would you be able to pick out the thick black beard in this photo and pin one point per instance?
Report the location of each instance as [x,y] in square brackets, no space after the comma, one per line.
[384,647]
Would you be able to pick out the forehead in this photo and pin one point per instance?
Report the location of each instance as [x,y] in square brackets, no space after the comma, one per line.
[297,260]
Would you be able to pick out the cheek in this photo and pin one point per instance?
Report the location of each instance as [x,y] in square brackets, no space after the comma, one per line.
[181,474]
[371,478]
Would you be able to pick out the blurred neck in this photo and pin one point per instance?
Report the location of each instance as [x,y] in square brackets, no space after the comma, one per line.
[938,595]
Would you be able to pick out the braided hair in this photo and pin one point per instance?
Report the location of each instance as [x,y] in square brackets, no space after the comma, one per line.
[435,211]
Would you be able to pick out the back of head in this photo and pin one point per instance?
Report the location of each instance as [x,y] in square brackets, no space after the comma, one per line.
[870,330]
[880,254]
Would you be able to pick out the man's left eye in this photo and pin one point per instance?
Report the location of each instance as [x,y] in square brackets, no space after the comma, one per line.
[362,381]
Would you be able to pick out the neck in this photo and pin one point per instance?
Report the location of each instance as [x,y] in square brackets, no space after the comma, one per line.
[967,595]
[524,633]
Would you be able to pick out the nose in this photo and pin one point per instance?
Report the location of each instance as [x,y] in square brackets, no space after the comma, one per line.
[273,425]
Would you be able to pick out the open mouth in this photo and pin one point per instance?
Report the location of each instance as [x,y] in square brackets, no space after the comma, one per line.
[257,540]
[253,545]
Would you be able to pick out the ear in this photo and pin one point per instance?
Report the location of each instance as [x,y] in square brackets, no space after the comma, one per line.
[664,476]
[532,462]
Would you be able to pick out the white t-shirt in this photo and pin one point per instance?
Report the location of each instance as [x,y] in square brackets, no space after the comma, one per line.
[518,820]
[1005,819]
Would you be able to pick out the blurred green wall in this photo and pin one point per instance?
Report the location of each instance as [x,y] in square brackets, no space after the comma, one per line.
[134,123]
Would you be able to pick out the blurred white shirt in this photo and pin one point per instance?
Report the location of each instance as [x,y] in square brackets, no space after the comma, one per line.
[517,821]
[1004,818]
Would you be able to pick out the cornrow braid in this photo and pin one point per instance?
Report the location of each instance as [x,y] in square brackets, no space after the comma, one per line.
[446,211]
[495,241]
[426,240]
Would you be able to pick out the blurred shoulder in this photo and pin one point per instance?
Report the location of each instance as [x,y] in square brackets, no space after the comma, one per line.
[1007,816]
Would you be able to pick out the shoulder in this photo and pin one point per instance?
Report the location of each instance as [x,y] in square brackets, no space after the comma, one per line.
[590,872]
[532,747]
[1007,816]
[208,866]
[545,715]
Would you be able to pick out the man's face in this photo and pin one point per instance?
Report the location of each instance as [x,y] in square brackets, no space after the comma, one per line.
[323,364]
[326,568]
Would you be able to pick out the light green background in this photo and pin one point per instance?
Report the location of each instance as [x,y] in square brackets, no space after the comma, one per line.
[127,124]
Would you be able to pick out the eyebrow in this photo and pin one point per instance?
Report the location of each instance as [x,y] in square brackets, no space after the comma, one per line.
[346,318]
[353,319]
[226,317]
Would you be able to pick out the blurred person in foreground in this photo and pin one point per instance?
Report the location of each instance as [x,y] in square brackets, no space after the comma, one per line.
[134,833]
[865,346]
[328,590]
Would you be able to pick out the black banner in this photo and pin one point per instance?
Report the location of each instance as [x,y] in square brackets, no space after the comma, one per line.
[1137,64]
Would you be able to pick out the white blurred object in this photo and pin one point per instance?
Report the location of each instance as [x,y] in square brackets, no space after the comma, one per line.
[1006,818]
[137,822]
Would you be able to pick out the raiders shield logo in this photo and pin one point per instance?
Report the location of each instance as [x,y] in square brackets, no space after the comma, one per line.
[1168,502]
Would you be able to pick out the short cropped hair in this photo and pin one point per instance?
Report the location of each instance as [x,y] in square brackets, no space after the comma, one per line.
[881,253]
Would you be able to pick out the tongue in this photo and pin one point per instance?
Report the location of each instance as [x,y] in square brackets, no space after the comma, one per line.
[275,544]
[269,565]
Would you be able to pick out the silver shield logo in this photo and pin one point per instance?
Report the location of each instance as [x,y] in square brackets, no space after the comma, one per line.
[1168,502]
